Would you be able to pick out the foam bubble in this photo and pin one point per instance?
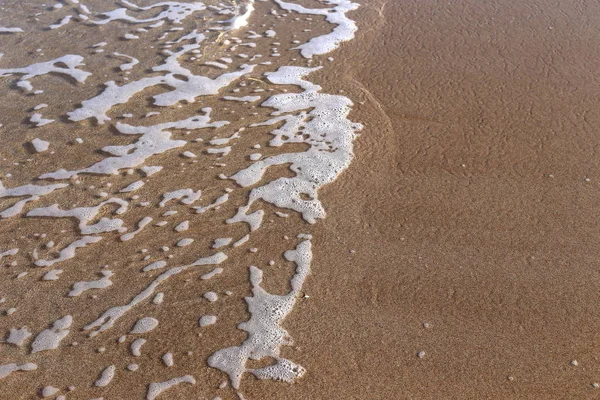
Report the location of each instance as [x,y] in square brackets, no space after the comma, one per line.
[80,287]
[184,242]
[183,226]
[52,275]
[69,251]
[207,320]
[336,15]
[156,388]
[106,376]
[18,336]
[40,145]
[48,391]
[62,22]
[109,317]
[7,369]
[136,347]
[265,334]
[144,325]
[50,339]
[167,359]
[72,62]
[220,242]
[4,29]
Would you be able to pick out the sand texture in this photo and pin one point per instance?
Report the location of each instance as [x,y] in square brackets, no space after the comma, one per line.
[455,255]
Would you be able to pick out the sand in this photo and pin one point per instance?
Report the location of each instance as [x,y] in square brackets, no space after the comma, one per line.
[458,256]
[470,206]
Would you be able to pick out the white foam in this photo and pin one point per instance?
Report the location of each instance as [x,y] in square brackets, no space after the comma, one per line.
[176,12]
[156,388]
[220,200]
[71,61]
[311,118]
[48,391]
[69,251]
[187,196]
[7,253]
[106,376]
[184,90]
[225,140]
[80,287]
[127,66]
[155,265]
[329,134]
[247,99]
[158,298]
[211,274]
[141,225]
[207,320]
[50,339]
[109,317]
[136,347]
[254,220]
[184,242]
[241,241]
[31,192]
[220,242]
[133,367]
[18,336]
[4,29]
[223,150]
[144,325]
[52,275]
[38,120]
[265,334]
[243,15]
[62,22]
[154,140]
[216,64]
[133,187]
[211,296]
[151,170]
[40,145]
[183,226]
[7,369]
[344,31]
[85,215]
[167,359]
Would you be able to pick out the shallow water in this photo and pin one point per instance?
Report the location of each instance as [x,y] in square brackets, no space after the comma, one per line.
[161,165]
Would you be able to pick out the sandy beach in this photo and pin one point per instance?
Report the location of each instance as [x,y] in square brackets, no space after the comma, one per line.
[457,258]
[470,207]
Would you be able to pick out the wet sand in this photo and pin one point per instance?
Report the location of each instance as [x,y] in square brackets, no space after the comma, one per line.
[468,207]
[465,228]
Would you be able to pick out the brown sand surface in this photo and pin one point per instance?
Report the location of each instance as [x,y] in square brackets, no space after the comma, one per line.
[471,206]
[467,207]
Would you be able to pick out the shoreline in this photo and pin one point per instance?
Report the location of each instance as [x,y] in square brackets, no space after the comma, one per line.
[458,256]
